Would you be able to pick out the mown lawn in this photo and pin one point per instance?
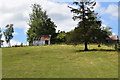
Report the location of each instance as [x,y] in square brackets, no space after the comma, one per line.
[60,61]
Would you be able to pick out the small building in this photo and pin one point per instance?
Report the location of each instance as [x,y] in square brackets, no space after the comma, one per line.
[42,40]
[112,40]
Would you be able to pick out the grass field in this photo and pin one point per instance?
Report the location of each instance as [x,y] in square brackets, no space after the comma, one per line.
[60,61]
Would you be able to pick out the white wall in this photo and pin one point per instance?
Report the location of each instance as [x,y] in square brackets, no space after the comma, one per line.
[38,43]
[49,42]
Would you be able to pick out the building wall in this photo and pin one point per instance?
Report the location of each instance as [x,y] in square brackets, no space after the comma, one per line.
[38,43]
[49,42]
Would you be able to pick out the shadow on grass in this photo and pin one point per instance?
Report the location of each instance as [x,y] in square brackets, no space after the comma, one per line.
[95,50]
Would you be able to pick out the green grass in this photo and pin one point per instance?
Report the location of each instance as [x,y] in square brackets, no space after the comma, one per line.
[60,61]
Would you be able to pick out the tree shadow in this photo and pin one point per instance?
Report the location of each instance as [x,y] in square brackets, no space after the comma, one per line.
[95,50]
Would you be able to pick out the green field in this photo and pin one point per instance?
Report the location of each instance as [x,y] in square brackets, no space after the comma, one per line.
[60,61]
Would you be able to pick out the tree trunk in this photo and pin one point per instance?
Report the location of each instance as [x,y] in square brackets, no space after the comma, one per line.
[86,48]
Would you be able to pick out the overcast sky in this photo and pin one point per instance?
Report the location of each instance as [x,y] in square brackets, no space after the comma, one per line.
[17,12]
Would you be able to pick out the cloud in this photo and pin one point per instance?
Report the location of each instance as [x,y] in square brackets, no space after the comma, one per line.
[99,8]
[60,14]
[84,0]
[111,10]
[18,14]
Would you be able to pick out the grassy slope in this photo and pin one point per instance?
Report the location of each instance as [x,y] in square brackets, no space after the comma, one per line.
[59,61]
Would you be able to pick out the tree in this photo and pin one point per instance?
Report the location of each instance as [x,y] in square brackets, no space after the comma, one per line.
[107,30]
[40,24]
[89,26]
[8,33]
[1,41]
[61,37]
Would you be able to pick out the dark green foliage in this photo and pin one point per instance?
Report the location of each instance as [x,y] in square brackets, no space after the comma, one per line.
[70,38]
[21,45]
[88,29]
[40,24]
[9,33]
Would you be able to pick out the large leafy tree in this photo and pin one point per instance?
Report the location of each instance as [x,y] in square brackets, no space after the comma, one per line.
[9,33]
[89,26]
[40,24]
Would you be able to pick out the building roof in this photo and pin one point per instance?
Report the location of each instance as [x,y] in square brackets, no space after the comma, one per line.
[45,37]
[42,38]
[113,37]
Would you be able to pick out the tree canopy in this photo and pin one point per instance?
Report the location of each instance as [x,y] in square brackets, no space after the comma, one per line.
[40,24]
[61,37]
[89,26]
